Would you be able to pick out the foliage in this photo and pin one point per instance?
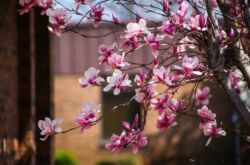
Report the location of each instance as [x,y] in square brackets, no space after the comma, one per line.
[123,160]
[63,157]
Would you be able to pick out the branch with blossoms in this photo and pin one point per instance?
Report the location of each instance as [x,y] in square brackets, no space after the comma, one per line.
[196,41]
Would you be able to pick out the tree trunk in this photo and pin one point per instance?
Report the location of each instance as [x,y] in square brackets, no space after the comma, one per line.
[8,83]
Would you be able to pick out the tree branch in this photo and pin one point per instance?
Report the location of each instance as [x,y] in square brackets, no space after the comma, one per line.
[216,61]
[242,60]
[238,103]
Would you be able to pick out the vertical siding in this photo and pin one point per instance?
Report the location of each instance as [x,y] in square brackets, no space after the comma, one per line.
[74,53]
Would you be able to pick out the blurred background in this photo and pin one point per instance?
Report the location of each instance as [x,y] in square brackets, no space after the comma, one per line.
[39,75]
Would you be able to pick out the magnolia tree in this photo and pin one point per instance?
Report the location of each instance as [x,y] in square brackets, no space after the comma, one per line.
[196,40]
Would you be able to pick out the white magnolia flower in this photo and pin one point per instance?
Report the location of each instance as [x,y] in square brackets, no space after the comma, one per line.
[91,77]
[117,81]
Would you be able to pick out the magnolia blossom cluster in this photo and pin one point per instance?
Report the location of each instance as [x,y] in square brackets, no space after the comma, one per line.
[117,82]
[110,58]
[86,118]
[167,108]
[28,4]
[96,15]
[178,57]
[207,118]
[60,16]
[209,124]
[196,21]
[131,136]
[202,96]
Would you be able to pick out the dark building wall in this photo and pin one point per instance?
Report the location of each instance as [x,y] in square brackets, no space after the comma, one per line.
[25,86]
[43,79]
[26,111]
[8,83]
[74,54]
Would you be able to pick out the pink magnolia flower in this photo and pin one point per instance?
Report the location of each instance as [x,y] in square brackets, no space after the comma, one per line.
[167,105]
[234,77]
[117,81]
[87,116]
[154,42]
[45,4]
[27,5]
[127,42]
[140,95]
[115,19]
[131,128]
[105,52]
[202,96]
[162,75]
[211,130]
[117,143]
[49,127]
[165,5]
[166,120]
[234,80]
[131,136]
[136,29]
[232,34]
[205,115]
[175,77]
[137,140]
[137,137]
[174,104]
[116,60]
[96,15]
[198,22]
[189,64]
[160,104]
[145,94]
[177,20]
[140,78]
[168,27]
[91,77]
[183,8]
[57,18]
